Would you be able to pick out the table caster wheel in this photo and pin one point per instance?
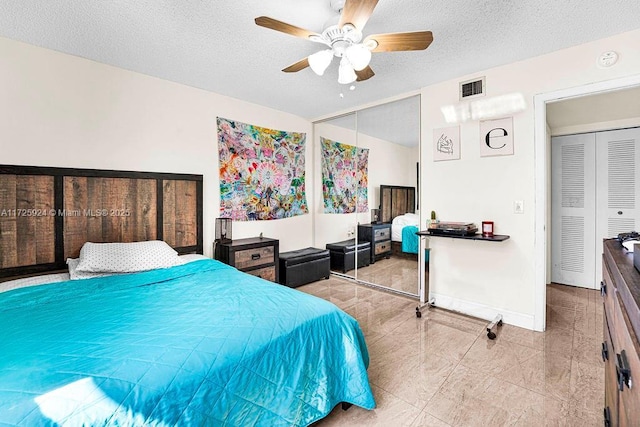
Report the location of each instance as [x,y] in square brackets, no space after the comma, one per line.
[418,313]
[500,322]
[491,335]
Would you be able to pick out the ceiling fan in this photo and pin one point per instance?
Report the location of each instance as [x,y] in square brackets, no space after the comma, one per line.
[344,39]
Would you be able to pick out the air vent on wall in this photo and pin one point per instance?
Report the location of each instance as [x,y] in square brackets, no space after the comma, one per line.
[472,88]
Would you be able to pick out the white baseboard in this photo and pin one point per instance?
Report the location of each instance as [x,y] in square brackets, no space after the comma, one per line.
[483,311]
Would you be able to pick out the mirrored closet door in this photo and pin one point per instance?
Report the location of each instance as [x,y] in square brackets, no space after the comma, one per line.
[336,191]
[381,147]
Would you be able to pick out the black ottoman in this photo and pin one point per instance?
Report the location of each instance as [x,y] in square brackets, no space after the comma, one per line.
[303,266]
[343,254]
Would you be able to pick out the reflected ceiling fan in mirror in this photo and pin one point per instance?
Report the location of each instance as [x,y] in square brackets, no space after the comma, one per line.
[343,36]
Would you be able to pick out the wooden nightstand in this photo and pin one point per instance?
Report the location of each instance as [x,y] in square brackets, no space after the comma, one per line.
[255,255]
[380,237]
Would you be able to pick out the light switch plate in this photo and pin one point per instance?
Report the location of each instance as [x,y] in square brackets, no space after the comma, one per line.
[518,206]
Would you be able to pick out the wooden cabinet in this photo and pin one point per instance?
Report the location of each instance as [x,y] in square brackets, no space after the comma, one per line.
[620,349]
[255,255]
[379,235]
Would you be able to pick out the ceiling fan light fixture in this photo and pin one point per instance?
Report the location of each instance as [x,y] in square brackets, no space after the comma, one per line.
[317,38]
[346,74]
[343,34]
[370,44]
[320,61]
[359,56]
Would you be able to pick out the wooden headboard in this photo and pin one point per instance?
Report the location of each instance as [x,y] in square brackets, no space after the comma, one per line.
[396,200]
[47,214]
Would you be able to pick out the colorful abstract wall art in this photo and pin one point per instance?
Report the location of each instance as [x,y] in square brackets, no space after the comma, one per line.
[345,178]
[262,172]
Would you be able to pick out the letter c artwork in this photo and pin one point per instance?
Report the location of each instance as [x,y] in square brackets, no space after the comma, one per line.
[490,135]
[496,137]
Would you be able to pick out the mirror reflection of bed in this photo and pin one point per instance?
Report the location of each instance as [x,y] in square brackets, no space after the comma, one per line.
[396,268]
[388,138]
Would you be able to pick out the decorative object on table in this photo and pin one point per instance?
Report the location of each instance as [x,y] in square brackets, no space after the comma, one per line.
[433,221]
[496,137]
[375,216]
[223,230]
[446,143]
[345,179]
[262,172]
[453,228]
[487,228]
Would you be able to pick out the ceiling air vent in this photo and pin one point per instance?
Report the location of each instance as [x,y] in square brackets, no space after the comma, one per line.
[472,88]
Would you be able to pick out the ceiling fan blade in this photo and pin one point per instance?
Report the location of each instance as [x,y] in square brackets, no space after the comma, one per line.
[283,27]
[391,42]
[300,65]
[365,74]
[357,12]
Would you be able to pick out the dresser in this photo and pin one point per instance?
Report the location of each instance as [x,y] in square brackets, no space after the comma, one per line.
[620,289]
[379,235]
[255,255]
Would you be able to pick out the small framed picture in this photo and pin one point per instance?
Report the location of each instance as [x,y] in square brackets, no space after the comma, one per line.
[446,143]
[496,137]
[487,228]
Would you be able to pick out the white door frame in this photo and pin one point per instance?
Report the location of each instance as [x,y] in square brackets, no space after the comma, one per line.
[540,167]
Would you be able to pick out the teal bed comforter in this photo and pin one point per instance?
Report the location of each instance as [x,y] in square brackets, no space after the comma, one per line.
[197,344]
[410,240]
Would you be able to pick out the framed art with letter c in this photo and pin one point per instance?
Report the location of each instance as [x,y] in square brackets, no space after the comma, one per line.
[496,137]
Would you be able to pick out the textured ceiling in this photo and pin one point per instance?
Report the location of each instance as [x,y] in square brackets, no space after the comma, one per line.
[215,45]
[397,122]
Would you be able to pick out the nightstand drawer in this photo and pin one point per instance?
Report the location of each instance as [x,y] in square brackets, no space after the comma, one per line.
[382,247]
[382,234]
[267,273]
[259,255]
[253,257]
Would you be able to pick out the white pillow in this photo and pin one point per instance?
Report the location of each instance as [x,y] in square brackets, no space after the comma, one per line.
[406,219]
[126,257]
[74,274]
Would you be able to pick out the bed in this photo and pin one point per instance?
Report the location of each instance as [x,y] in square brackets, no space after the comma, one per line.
[195,343]
[403,231]
[397,206]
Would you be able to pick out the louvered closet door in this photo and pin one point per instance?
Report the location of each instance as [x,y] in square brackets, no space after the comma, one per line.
[573,210]
[618,185]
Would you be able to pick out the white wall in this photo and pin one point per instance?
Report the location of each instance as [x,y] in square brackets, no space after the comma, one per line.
[64,111]
[389,164]
[485,278]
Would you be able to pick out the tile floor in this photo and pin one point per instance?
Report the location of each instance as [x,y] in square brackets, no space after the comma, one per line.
[395,273]
[442,370]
